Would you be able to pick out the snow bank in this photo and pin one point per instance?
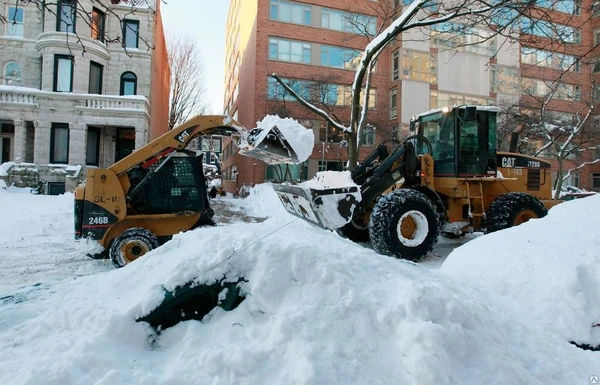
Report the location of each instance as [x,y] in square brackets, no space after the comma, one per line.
[547,271]
[319,310]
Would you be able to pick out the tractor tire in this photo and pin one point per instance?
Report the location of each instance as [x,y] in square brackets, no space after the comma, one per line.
[354,232]
[132,244]
[512,209]
[404,224]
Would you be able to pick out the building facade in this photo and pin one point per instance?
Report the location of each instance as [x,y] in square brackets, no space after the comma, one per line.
[315,45]
[84,83]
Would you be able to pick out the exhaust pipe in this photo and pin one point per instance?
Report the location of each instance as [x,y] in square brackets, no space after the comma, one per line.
[514,139]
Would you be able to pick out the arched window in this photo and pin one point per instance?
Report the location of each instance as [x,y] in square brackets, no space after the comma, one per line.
[12,74]
[128,84]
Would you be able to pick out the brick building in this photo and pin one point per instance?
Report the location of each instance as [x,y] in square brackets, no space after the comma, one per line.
[314,46]
[72,96]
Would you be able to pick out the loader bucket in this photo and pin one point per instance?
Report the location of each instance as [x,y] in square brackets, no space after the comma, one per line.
[270,146]
[328,208]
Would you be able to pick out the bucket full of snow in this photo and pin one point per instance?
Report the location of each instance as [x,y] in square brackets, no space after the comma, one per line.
[328,200]
[278,140]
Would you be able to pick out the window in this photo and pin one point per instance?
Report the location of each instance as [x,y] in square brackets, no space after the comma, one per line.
[288,50]
[131,29]
[98,22]
[367,136]
[347,21]
[463,38]
[93,147]
[338,57]
[395,65]
[597,153]
[596,36]
[63,73]
[338,95]
[572,179]
[548,59]
[596,180]
[393,103]
[330,133]
[95,85]
[419,66]
[290,12]
[543,28]
[12,74]
[505,80]
[277,92]
[59,143]
[65,15]
[128,84]
[14,24]
[442,99]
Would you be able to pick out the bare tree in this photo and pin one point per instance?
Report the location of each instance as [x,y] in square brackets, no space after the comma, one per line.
[188,88]
[457,18]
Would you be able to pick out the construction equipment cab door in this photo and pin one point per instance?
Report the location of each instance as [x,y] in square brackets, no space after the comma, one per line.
[476,142]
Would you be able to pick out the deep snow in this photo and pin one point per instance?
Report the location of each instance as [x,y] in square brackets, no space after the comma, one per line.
[320,309]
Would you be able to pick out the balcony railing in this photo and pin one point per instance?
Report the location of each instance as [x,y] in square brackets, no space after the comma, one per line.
[110,103]
[31,97]
[16,97]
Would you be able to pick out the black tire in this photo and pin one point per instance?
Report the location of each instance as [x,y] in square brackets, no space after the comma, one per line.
[355,232]
[512,209]
[404,224]
[132,244]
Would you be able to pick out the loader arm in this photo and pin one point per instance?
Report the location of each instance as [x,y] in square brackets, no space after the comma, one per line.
[179,137]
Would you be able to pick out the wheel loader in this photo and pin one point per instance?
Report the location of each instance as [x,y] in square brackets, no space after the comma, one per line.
[159,190]
[447,178]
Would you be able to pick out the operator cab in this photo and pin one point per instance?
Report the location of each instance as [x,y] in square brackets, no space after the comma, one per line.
[463,139]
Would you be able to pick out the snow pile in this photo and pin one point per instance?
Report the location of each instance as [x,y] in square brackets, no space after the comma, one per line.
[319,310]
[547,271]
[299,137]
[4,167]
[330,179]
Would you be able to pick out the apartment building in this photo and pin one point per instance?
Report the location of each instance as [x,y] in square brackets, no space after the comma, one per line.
[84,83]
[315,45]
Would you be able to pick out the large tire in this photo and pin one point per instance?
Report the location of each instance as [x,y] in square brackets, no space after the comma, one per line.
[132,244]
[404,224]
[512,209]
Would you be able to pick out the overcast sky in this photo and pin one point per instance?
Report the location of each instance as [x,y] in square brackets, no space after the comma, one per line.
[205,20]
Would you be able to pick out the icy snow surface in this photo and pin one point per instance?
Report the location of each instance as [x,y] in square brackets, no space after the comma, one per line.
[320,309]
[545,270]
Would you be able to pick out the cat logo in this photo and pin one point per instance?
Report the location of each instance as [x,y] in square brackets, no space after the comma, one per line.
[508,162]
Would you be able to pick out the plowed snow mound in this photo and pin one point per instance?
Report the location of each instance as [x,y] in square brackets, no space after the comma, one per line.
[547,270]
[319,310]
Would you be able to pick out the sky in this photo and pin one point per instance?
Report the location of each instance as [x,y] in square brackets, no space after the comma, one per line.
[204,20]
[318,308]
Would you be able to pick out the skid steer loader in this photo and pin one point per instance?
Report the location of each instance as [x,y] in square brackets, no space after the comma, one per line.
[159,190]
[445,179]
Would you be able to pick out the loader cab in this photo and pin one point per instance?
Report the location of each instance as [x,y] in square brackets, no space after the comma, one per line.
[463,140]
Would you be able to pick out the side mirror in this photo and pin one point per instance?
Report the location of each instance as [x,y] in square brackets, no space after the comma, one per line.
[413,124]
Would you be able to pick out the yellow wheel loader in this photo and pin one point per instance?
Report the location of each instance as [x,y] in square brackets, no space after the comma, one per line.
[446,179]
[159,190]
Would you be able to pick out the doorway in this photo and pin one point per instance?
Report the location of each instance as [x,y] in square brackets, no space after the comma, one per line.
[7,135]
[125,143]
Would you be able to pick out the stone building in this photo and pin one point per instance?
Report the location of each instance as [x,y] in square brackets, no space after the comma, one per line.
[316,41]
[84,83]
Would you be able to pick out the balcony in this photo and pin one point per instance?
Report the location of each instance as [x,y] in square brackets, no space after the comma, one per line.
[22,97]
[17,96]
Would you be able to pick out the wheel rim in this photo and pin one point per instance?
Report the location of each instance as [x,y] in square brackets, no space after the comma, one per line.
[524,216]
[412,228]
[132,250]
